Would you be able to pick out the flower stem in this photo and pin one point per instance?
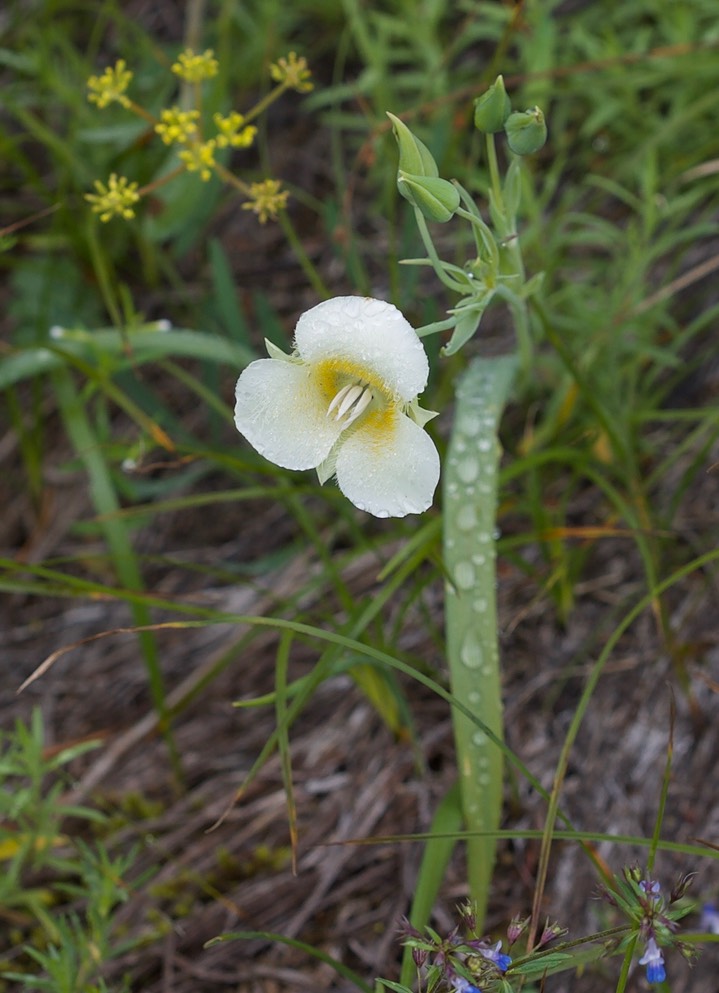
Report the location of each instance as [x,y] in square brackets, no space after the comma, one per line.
[302,257]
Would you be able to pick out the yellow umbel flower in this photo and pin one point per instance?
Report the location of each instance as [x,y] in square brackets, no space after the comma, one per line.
[117,199]
[177,126]
[110,86]
[293,72]
[266,199]
[233,131]
[200,157]
[194,68]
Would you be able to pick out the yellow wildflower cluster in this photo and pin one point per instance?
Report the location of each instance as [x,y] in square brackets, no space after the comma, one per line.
[117,199]
[233,131]
[193,68]
[184,128]
[200,157]
[292,72]
[266,199]
[110,86]
[177,126]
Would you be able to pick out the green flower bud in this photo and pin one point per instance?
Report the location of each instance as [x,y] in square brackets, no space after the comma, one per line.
[526,132]
[435,197]
[492,109]
[414,156]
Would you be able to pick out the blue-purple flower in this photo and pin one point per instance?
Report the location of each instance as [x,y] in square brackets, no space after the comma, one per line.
[497,957]
[710,918]
[654,961]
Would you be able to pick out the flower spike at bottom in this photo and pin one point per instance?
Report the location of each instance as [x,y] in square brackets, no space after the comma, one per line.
[345,403]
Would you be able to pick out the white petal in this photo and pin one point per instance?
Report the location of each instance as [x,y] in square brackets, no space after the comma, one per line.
[388,466]
[368,334]
[283,415]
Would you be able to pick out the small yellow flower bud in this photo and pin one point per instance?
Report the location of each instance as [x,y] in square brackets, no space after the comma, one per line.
[117,199]
[233,131]
[194,68]
[267,199]
[200,157]
[177,126]
[293,72]
[110,86]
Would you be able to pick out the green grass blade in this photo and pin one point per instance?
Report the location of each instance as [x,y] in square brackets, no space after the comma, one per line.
[470,493]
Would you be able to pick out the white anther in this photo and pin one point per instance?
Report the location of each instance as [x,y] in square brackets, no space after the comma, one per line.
[351,401]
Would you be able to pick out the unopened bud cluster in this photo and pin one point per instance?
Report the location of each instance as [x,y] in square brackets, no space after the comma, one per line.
[526,131]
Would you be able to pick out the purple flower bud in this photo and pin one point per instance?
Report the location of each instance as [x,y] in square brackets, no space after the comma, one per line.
[550,932]
[681,886]
[469,918]
[651,888]
[419,956]
[516,928]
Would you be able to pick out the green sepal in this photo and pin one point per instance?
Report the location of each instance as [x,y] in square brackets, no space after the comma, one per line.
[492,109]
[414,156]
[418,414]
[464,329]
[526,131]
[275,352]
[436,198]
[326,469]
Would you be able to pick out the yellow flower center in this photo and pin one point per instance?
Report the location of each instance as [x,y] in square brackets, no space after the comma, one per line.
[350,391]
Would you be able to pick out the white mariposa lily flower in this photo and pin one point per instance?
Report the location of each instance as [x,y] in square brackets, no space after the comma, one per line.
[345,403]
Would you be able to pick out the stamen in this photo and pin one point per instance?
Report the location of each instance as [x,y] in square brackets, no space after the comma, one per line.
[351,401]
